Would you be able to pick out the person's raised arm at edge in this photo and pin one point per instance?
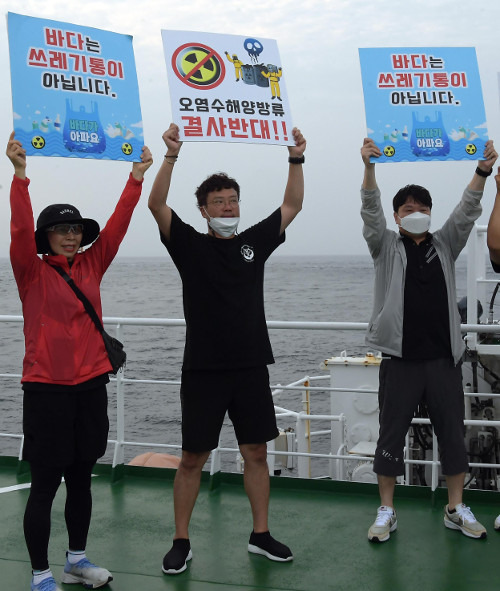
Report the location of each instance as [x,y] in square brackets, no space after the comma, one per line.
[294,191]
[490,156]
[157,202]
[368,150]
[493,233]
[17,155]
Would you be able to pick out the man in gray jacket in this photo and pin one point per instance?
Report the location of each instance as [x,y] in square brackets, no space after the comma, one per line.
[416,325]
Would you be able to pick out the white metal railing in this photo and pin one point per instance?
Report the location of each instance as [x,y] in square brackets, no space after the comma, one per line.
[303,420]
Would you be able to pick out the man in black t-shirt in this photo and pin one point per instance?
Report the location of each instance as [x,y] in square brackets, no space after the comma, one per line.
[227,347]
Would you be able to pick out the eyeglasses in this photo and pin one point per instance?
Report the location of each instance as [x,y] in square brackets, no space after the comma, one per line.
[66,229]
[233,202]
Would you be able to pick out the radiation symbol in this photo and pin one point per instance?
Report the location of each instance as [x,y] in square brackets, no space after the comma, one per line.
[198,66]
[38,142]
[127,149]
[470,149]
[389,151]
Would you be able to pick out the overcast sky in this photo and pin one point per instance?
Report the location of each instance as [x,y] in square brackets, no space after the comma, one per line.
[318,42]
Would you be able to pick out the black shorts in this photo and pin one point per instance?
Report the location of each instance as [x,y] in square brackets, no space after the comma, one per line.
[403,386]
[245,395]
[63,427]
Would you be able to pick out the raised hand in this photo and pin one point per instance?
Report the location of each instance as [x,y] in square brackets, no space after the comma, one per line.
[17,155]
[139,168]
[171,139]
[300,144]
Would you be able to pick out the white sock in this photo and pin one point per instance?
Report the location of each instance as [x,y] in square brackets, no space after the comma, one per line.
[74,556]
[41,575]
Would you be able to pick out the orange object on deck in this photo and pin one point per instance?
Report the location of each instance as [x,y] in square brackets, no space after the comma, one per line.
[156,460]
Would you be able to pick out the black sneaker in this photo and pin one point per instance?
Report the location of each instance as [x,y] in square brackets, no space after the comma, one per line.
[266,545]
[176,558]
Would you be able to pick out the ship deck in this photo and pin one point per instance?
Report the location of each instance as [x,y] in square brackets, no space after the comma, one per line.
[324,522]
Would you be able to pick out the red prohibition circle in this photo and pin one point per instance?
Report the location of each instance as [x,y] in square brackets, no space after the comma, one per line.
[211,57]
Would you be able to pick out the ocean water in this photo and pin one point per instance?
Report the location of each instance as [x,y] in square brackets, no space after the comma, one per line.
[306,288]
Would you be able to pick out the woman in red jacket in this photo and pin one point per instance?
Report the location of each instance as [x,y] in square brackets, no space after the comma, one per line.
[65,367]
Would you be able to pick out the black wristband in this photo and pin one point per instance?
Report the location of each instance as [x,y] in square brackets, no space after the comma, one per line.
[481,172]
[296,159]
[169,156]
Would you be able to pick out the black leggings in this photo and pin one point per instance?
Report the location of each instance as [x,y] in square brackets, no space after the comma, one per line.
[45,481]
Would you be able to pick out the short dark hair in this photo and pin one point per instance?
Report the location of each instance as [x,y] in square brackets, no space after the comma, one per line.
[414,192]
[215,182]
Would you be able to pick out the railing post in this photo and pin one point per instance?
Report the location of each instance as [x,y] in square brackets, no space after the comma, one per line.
[215,468]
[22,466]
[475,271]
[302,462]
[271,458]
[215,460]
[306,405]
[341,467]
[407,453]
[118,456]
[435,462]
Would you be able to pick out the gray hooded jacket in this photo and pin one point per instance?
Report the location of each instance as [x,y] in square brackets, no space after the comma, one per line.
[385,331]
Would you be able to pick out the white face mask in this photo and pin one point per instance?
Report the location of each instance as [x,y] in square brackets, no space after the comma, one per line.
[225,227]
[416,223]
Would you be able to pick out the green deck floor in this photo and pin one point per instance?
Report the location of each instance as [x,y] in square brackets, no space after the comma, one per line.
[324,523]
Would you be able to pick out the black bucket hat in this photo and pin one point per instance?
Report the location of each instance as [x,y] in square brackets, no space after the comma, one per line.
[63,213]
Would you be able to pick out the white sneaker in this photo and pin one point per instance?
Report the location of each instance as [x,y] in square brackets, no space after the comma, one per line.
[386,522]
[463,519]
[86,573]
[48,584]
[497,523]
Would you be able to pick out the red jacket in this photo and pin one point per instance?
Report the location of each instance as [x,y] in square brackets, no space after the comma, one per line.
[62,344]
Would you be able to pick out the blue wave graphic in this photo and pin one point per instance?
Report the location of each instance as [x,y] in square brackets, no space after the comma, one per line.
[403,152]
[52,145]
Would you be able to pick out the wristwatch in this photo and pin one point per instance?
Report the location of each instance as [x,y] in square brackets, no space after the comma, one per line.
[481,172]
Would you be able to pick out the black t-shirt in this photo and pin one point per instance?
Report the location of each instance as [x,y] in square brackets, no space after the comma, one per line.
[495,266]
[426,323]
[223,293]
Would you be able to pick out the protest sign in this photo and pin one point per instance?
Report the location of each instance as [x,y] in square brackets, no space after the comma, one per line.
[74,90]
[227,88]
[424,103]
